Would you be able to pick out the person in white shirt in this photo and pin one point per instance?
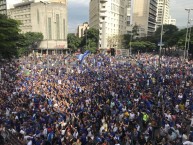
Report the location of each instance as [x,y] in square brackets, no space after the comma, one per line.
[188,143]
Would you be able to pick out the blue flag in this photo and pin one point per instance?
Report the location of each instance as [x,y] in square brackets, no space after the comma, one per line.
[82,56]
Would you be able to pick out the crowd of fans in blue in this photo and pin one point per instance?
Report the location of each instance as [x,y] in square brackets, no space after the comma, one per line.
[104,100]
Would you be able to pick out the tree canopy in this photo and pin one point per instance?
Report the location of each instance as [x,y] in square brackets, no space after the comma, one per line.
[88,42]
[9,36]
[13,43]
[73,42]
[28,42]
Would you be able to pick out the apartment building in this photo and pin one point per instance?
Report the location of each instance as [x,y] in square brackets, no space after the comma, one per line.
[59,1]
[3,7]
[81,30]
[171,21]
[163,11]
[144,16]
[48,18]
[117,17]
[109,16]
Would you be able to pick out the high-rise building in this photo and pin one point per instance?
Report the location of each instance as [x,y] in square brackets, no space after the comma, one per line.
[82,29]
[48,18]
[163,12]
[3,7]
[109,16]
[59,1]
[171,21]
[144,16]
[114,18]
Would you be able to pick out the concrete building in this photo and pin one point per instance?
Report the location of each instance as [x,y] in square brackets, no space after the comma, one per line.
[48,18]
[171,21]
[59,1]
[163,12]
[114,18]
[108,16]
[82,29]
[3,7]
[144,16]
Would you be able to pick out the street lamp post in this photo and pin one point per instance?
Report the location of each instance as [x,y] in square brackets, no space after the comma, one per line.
[45,4]
[86,37]
[131,35]
[56,40]
[189,36]
[187,31]
[161,35]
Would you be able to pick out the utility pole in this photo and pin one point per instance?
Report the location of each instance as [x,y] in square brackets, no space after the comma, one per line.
[187,31]
[86,38]
[161,35]
[131,35]
[189,37]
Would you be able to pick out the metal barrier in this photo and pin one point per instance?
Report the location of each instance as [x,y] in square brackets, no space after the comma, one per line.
[122,52]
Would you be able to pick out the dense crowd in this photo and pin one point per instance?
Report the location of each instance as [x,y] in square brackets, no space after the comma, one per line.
[104,100]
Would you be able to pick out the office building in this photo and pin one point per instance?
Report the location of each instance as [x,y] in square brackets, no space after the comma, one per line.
[3,7]
[171,21]
[108,16]
[114,18]
[144,16]
[48,18]
[59,1]
[163,12]
[81,30]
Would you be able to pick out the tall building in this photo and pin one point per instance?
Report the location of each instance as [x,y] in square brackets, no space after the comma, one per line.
[82,29]
[108,16]
[3,7]
[171,21]
[144,16]
[48,18]
[59,1]
[114,18]
[163,12]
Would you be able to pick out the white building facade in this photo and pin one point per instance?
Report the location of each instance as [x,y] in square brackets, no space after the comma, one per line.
[81,30]
[3,7]
[48,18]
[109,16]
[163,11]
[114,18]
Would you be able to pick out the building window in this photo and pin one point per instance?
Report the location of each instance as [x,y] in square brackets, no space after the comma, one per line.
[38,16]
[49,29]
[57,27]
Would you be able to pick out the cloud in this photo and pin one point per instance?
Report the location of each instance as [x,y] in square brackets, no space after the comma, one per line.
[78,12]
[82,2]
[177,11]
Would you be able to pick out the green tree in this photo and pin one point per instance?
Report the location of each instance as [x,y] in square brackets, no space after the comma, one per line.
[73,42]
[28,42]
[143,46]
[135,31]
[90,40]
[9,35]
[169,35]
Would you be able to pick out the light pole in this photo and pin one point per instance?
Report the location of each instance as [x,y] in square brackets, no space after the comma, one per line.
[189,36]
[131,35]
[45,4]
[187,31]
[56,39]
[86,37]
[161,35]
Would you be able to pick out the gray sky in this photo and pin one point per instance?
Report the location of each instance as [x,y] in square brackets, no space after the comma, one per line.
[78,12]
[177,11]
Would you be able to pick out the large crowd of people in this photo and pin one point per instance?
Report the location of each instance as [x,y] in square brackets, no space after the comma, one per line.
[104,100]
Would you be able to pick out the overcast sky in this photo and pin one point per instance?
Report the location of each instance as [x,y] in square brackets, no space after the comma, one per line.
[78,12]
